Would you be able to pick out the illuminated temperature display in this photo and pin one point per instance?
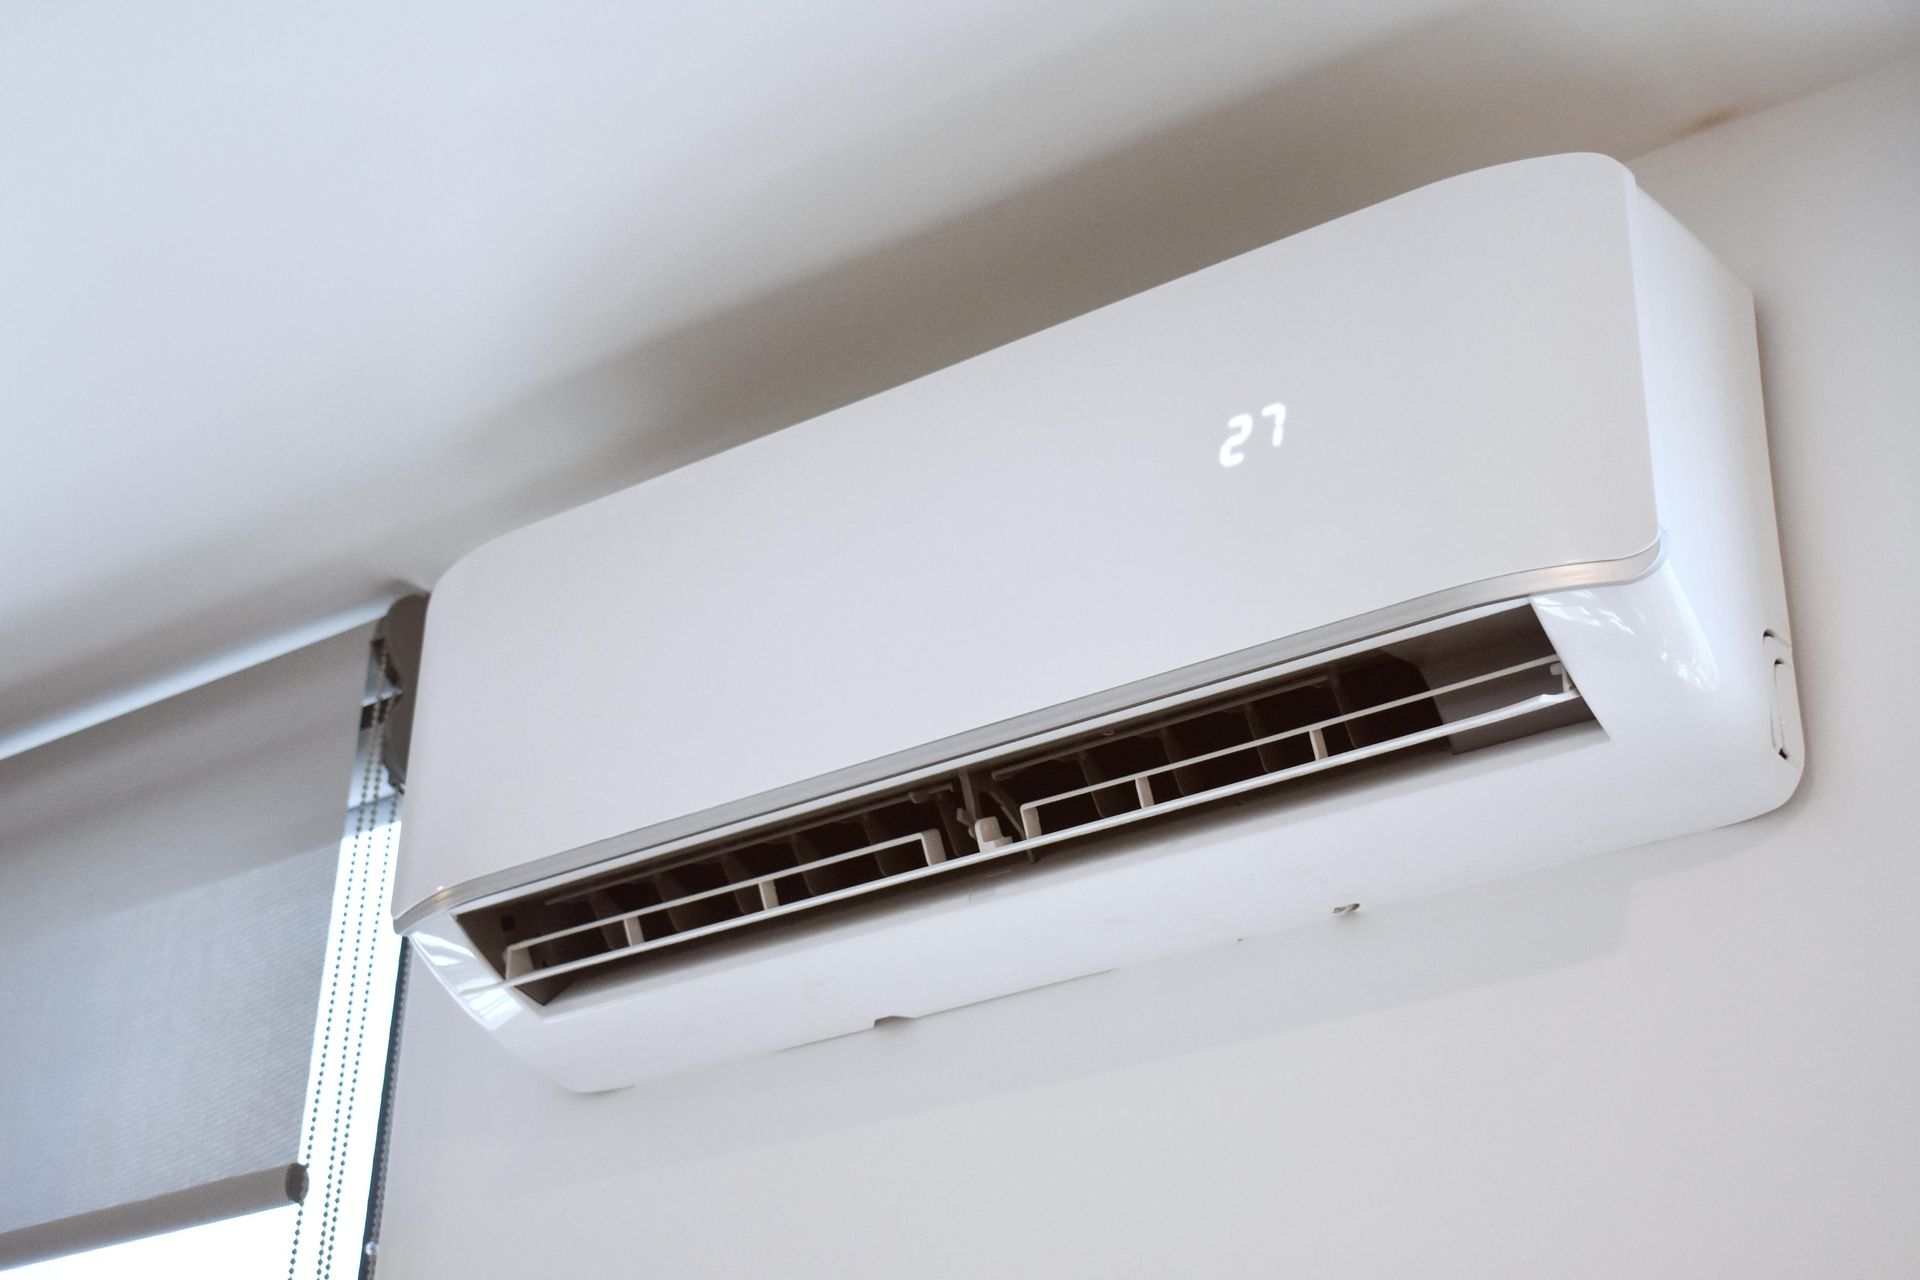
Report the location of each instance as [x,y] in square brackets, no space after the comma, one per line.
[1233,451]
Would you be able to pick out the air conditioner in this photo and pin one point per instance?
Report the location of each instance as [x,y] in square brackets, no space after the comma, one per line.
[1425,546]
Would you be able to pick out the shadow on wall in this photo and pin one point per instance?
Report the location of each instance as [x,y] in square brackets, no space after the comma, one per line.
[1500,932]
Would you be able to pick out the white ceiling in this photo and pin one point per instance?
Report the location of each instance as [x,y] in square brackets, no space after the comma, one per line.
[299,303]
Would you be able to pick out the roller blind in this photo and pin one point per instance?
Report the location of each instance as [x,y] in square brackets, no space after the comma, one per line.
[165,884]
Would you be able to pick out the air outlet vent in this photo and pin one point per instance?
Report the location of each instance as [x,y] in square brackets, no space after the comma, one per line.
[1445,692]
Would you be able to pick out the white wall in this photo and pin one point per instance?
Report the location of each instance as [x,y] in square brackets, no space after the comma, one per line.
[1700,1058]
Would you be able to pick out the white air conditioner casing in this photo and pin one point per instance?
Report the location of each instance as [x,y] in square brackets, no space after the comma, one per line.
[1523,395]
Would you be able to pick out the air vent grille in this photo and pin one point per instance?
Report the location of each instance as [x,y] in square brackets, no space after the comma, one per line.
[1448,691]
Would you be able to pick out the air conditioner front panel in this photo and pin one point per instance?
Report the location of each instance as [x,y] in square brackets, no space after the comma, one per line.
[1463,399]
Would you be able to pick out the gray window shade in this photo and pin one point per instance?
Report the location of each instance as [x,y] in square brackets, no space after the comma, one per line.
[165,881]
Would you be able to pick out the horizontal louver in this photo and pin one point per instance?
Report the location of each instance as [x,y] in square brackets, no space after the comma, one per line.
[1448,691]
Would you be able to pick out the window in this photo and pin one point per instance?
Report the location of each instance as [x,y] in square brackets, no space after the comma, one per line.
[341,1138]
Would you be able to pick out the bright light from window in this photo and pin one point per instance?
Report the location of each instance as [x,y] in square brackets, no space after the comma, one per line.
[249,1247]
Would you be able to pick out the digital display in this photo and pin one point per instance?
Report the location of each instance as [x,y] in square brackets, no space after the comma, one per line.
[1233,451]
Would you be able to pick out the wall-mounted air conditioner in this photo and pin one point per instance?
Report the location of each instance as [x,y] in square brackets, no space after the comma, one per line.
[1424,546]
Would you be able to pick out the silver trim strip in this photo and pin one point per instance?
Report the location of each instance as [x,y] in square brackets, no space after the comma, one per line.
[841,784]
